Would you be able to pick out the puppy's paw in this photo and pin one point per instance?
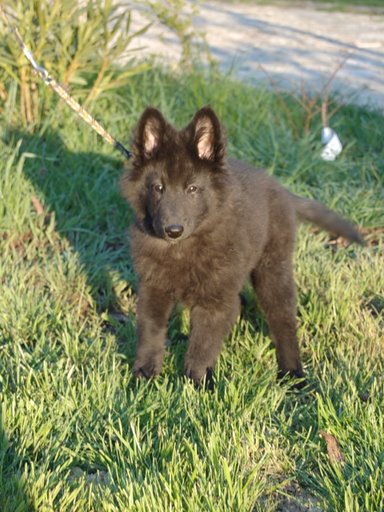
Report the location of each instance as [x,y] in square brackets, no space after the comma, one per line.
[146,370]
[296,378]
[201,377]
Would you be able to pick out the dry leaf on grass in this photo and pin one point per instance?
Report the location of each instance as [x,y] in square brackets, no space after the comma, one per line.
[39,208]
[37,205]
[334,452]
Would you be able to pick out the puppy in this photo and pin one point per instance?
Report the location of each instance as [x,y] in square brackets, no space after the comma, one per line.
[204,224]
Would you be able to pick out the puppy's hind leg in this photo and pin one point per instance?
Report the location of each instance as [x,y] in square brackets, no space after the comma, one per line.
[275,289]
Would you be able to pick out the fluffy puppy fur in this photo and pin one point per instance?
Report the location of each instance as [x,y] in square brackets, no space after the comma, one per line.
[204,224]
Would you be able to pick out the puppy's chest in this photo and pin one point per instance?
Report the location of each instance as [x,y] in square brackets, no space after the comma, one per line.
[190,272]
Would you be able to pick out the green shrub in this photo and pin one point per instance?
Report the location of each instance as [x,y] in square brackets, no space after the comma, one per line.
[77,42]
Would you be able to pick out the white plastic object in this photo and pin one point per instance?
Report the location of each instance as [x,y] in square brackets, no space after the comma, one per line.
[332,144]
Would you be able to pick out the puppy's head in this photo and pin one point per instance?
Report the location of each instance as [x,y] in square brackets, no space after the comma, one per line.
[177,178]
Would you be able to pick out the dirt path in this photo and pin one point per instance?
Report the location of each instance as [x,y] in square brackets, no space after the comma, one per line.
[295,46]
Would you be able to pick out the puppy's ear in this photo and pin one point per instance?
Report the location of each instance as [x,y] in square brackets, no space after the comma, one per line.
[207,136]
[149,134]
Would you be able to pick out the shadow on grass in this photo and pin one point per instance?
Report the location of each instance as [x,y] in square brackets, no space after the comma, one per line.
[13,497]
[79,192]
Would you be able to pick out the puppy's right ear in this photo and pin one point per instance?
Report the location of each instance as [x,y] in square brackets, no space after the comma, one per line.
[149,134]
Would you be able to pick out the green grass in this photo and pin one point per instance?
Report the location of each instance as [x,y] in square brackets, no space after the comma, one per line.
[77,433]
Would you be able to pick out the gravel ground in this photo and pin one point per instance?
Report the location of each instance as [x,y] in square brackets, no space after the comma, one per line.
[294,47]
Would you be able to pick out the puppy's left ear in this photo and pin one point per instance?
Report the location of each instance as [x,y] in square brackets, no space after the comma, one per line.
[207,139]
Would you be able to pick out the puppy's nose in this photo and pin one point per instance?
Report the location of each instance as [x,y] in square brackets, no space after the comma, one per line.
[174,230]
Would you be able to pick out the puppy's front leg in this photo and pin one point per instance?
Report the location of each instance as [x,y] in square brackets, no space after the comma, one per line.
[154,307]
[208,330]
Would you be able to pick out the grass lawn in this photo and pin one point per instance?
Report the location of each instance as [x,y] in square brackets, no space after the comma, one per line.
[77,434]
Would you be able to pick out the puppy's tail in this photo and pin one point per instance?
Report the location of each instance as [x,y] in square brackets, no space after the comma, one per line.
[316,213]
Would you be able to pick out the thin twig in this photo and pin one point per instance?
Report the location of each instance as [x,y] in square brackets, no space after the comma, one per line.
[324,92]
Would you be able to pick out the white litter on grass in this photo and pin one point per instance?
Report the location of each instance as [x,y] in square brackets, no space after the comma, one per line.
[332,145]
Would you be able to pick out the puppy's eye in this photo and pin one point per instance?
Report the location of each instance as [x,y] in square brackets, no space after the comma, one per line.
[158,187]
[192,189]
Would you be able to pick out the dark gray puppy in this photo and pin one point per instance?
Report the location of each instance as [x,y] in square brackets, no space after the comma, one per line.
[204,225]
